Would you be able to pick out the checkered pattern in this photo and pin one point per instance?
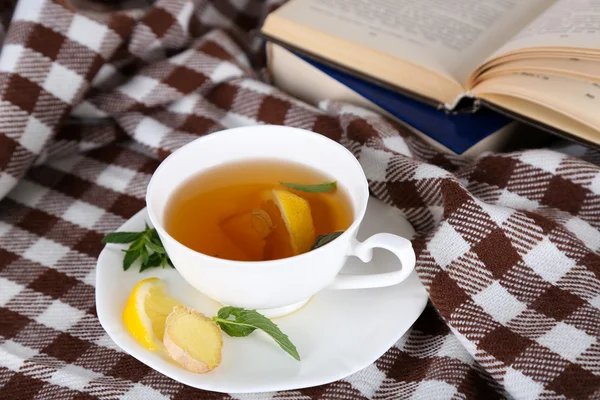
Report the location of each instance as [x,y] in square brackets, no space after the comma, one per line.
[93,95]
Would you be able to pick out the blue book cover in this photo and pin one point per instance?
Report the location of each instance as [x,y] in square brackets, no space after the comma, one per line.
[458,132]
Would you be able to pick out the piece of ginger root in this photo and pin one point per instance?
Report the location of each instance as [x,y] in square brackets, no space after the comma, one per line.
[193,340]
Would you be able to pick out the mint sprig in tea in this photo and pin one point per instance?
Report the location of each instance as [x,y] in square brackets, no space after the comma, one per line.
[257,210]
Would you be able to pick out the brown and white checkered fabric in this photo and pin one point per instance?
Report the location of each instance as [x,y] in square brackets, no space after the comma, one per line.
[93,95]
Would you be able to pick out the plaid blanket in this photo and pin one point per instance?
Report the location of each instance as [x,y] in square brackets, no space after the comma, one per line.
[93,95]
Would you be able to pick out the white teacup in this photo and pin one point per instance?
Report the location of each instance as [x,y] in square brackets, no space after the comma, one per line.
[280,286]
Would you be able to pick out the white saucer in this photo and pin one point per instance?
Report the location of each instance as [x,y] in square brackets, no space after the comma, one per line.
[337,333]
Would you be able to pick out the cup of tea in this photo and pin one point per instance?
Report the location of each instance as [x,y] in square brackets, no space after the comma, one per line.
[265,217]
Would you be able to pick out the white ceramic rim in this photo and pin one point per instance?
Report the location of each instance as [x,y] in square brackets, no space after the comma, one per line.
[297,131]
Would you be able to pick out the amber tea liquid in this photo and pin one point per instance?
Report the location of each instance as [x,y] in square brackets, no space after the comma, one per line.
[201,212]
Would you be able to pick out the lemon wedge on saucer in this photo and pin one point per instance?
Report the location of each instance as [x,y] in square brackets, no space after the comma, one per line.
[294,212]
[146,312]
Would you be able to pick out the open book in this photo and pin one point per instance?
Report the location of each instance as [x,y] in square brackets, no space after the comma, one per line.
[538,60]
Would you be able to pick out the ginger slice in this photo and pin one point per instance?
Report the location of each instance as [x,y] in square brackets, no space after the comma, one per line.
[193,340]
[248,231]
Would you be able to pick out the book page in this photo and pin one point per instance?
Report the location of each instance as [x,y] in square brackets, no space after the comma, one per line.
[449,37]
[535,114]
[588,70]
[567,23]
[579,99]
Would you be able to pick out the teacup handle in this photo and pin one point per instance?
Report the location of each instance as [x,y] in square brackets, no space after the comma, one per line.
[398,245]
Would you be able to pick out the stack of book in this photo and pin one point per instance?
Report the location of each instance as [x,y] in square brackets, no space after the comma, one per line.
[467,76]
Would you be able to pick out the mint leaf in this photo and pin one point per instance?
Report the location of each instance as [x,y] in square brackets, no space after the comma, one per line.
[319,188]
[154,247]
[121,237]
[244,322]
[145,244]
[154,236]
[226,312]
[231,327]
[138,244]
[144,256]
[234,329]
[130,257]
[154,260]
[322,240]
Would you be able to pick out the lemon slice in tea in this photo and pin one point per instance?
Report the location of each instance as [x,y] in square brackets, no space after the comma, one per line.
[294,231]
